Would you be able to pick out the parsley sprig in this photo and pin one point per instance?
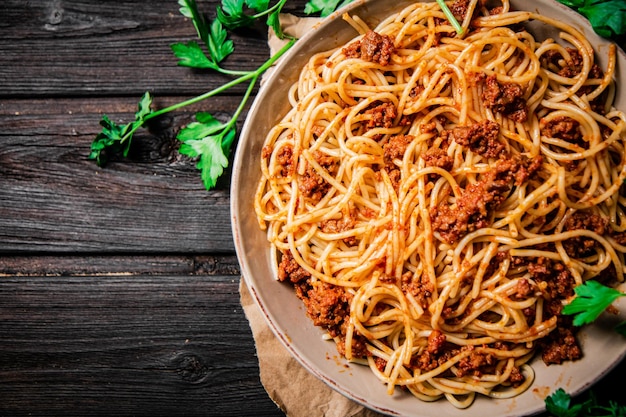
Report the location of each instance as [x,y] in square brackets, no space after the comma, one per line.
[324,7]
[561,404]
[607,17]
[207,139]
[233,14]
[591,299]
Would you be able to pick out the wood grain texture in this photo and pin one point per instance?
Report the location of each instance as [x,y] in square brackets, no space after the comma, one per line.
[119,265]
[90,48]
[55,199]
[111,345]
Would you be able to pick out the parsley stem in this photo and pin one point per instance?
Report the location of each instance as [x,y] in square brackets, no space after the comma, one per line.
[247,76]
[245,98]
[271,10]
[232,72]
[446,11]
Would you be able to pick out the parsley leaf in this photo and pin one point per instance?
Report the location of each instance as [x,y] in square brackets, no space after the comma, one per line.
[607,17]
[189,9]
[218,46]
[559,404]
[233,15]
[592,298]
[205,125]
[190,54]
[324,7]
[213,35]
[273,21]
[116,138]
[209,140]
[573,3]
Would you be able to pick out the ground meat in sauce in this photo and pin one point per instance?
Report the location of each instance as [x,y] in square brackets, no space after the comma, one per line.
[311,184]
[474,363]
[328,306]
[505,98]
[559,282]
[427,361]
[266,152]
[459,9]
[523,289]
[373,47]
[290,270]
[285,159]
[559,346]
[381,115]
[526,168]
[496,261]
[562,127]
[473,207]
[420,287]
[417,90]
[317,130]
[395,176]
[346,222]
[380,364]
[436,340]
[581,246]
[480,137]
[396,147]
[516,377]
[437,157]
[567,129]
[556,284]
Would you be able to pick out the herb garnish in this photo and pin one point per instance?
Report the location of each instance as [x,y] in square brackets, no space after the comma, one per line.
[592,298]
[324,7]
[560,404]
[207,139]
[448,13]
[607,17]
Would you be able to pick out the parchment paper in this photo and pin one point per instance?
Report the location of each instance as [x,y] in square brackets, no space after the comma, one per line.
[294,390]
[297,392]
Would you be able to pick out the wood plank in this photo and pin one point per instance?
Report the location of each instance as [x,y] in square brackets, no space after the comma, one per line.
[54,199]
[119,265]
[110,345]
[86,48]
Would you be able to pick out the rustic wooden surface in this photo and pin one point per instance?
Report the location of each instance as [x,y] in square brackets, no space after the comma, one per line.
[118,285]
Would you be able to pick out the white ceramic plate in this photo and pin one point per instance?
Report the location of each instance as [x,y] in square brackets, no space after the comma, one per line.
[602,347]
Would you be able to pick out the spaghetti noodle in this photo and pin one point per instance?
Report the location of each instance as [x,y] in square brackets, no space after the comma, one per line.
[434,198]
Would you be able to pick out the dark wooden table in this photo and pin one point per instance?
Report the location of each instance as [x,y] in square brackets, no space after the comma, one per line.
[118,285]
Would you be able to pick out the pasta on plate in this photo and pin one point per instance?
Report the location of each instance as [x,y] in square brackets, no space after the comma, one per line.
[435,197]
